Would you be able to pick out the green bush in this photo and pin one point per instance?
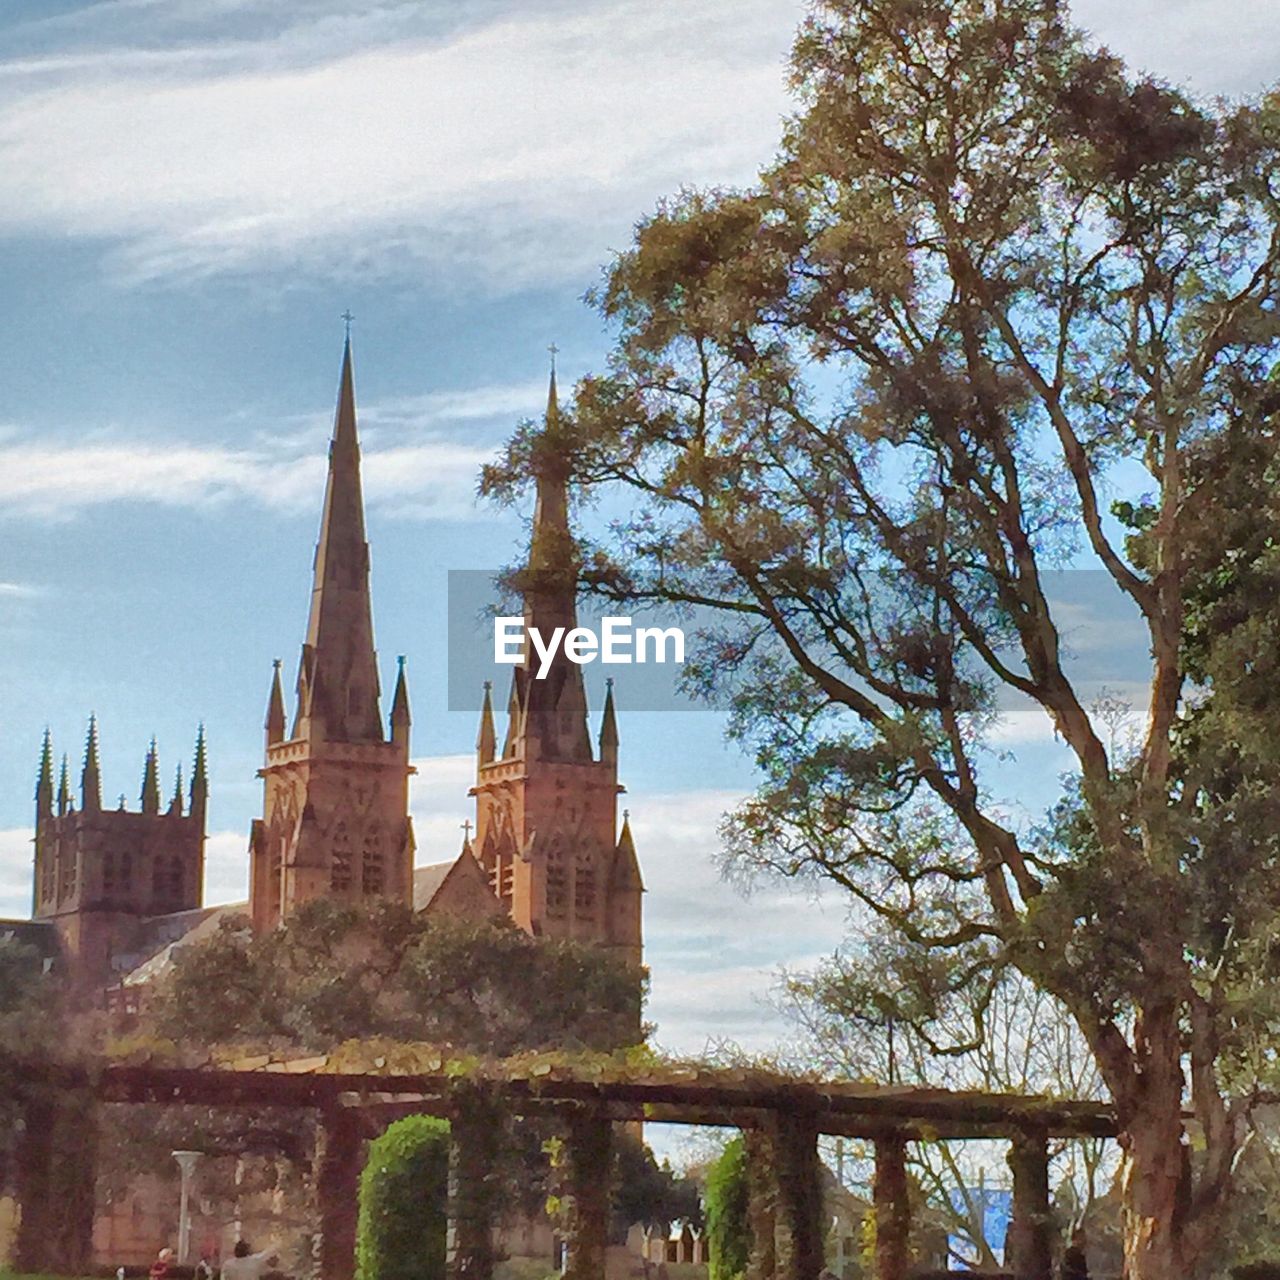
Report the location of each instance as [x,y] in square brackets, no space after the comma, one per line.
[403,1189]
[728,1229]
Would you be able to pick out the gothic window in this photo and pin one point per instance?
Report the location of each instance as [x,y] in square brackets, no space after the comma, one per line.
[173,881]
[584,884]
[124,872]
[557,882]
[373,875]
[108,874]
[166,883]
[340,867]
[67,888]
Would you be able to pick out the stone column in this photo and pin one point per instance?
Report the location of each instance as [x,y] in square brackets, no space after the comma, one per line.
[588,1150]
[337,1184]
[761,1205]
[799,1216]
[34,1164]
[1030,1246]
[892,1208]
[475,1132]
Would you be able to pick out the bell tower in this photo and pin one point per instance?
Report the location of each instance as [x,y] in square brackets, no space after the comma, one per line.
[546,803]
[336,786]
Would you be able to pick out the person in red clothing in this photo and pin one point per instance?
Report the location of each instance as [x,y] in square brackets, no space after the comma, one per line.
[161,1267]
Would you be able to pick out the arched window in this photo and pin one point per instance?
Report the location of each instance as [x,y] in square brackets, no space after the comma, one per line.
[584,884]
[373,876]
[340,866]
[557,881]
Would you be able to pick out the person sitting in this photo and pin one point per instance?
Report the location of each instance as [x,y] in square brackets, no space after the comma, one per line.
[247,1265]
[162,1266]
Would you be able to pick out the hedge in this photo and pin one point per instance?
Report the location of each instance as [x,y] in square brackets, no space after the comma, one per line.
[403,1191]
[728,1231]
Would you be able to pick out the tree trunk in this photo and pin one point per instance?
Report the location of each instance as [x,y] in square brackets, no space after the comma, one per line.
[1157,1175]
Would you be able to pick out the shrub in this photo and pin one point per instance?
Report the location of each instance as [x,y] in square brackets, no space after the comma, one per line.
[403,1189]
[728,1230]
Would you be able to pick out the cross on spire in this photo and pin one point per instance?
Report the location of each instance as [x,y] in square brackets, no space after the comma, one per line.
[466,831]
[346,319]
[554,350]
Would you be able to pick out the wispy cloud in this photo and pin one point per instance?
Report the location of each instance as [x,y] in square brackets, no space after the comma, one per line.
[519,151]
[18,591]
[422,455]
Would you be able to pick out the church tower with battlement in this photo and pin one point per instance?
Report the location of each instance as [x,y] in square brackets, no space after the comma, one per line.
[100,872]
[546,803]
[335,818]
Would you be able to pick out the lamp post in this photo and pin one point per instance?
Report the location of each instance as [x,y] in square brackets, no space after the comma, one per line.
[187,1164]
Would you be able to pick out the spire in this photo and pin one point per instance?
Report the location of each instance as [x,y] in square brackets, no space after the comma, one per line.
[175,804]
[400,717]
[608,727]
[626,865]
[554,708]
[338,677]
[91,774]
[64,787]
[486,739]
[200,779]
[44,779]
[275,708]
[151,781]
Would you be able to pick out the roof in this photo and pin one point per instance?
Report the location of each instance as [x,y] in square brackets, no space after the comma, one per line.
[182,929]
[39,935]
[427,881]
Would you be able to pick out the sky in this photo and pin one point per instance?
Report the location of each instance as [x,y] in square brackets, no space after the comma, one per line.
[194,190]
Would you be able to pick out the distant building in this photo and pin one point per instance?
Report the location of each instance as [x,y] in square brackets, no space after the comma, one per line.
[118,892]
[121,890]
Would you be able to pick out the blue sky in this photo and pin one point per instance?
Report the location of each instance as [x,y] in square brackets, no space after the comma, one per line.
[193,191]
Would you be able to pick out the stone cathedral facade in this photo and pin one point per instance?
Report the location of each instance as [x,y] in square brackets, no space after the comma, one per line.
[116,891]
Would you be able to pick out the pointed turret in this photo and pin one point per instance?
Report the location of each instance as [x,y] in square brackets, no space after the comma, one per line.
[626,865]
[91,774]
[608,728]
[401,719]
[64,787]
[338,689]
[486,738]
[200,780]
[44,779]
[151,781]
[553,709]
[175,804]
[275,708]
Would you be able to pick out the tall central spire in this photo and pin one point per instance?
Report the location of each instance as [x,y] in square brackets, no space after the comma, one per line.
[553,709]
[338,688]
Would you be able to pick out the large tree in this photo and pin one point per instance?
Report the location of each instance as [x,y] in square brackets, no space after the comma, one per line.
[864,408]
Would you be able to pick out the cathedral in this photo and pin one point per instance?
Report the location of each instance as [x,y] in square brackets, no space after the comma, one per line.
[116,891]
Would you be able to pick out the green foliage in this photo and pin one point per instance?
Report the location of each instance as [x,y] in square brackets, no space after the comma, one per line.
[728,1230]
[647,1192]
[403,1190]
[337,972]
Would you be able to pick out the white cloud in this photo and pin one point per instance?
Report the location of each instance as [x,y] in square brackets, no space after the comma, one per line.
[18,591]
[520,151]
[413,468]
[15,872]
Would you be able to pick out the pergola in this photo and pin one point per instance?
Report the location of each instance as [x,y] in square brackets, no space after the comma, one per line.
[781,1117]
